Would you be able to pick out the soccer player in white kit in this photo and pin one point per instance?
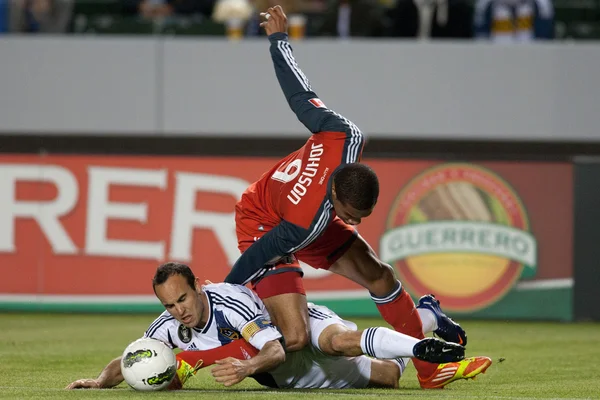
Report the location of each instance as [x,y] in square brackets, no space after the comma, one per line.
[204,317]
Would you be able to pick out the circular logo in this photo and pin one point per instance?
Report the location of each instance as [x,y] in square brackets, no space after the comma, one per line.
[460,232]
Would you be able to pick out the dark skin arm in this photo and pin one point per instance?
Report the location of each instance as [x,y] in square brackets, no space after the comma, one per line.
[276,20]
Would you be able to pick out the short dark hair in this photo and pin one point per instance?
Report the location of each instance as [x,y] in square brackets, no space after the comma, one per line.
[169,269]
[356,185]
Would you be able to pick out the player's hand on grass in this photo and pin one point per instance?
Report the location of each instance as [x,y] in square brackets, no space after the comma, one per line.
[231,371]
[275,20]
[84,384]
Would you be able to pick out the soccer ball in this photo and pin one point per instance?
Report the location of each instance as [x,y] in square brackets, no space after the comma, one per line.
[148,364]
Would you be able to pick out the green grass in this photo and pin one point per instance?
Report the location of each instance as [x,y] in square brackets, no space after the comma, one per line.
[41,353]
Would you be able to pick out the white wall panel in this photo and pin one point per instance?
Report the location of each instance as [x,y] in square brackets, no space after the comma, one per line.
[78,85]
[215,87]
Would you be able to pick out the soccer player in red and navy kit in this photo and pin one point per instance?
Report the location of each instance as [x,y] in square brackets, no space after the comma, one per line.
[305,207]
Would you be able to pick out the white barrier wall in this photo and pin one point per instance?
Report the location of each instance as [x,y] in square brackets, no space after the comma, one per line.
[161,86]
[84,86]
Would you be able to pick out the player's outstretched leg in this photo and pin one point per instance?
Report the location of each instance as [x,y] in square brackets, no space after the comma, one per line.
[446,328]
[384,344]
[360,264]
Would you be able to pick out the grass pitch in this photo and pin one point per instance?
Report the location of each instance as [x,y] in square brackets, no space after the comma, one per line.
[41,353]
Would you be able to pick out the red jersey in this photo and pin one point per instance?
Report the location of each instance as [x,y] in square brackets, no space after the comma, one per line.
[294,189]
[292,201]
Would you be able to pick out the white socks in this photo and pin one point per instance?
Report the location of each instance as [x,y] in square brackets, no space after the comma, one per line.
[428,319]
[401,363]
[385,343]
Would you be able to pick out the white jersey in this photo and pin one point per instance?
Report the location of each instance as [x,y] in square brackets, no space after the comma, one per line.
[236,312]
[310,368]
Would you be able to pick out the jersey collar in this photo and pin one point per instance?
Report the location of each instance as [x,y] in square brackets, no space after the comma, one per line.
[210,315]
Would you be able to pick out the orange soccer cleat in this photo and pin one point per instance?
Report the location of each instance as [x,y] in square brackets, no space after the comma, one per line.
[468,368]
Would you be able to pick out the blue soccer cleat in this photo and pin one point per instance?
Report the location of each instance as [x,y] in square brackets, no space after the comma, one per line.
[447,329]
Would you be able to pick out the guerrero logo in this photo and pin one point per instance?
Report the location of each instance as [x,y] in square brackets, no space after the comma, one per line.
[461,232]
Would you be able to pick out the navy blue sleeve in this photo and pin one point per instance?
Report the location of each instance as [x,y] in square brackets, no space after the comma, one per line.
[298,92]
[280,241]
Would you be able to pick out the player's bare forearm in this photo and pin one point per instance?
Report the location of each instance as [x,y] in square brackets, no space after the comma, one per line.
[109,377]
[231,371]
[271,355]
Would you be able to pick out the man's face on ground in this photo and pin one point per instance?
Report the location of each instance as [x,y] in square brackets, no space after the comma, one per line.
[180,300]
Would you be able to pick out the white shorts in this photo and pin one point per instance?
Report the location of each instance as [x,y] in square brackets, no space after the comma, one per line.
[312,369]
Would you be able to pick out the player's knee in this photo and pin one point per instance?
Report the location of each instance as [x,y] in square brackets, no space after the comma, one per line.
[296,340]
[383,280]
[386,273]
[373,268]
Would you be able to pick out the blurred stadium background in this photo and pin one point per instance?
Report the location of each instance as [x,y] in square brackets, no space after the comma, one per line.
[128,130]
[567,19]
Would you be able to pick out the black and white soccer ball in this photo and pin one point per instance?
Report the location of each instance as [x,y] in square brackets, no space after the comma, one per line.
[148,364]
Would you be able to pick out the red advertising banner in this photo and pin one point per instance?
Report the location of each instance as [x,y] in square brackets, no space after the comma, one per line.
[99,225]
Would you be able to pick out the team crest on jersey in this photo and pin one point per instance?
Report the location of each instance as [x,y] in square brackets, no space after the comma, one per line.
[184,333]
[229,333]
[317,103]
